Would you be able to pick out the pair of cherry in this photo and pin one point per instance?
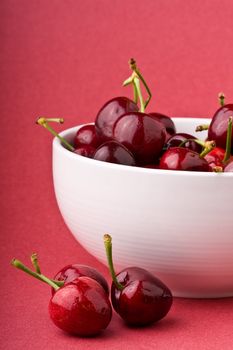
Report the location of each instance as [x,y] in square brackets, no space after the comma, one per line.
[80,296]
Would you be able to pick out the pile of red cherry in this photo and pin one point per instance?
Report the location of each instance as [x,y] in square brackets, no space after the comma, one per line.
[123,134]
[80,296]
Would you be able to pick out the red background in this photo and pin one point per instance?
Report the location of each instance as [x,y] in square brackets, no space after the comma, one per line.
[66,58]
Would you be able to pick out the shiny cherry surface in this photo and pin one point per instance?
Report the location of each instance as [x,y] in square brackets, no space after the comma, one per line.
[166,121]
[86,135]
[215,157]
[109,113]
[179,158]
[81,307]
[144,298]
[218,127]
[176,139]
[73,271]
[85,151]
[114,152]
[142,135]
[229,167]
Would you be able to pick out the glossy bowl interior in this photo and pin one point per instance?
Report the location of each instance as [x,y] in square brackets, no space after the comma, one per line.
[176,224]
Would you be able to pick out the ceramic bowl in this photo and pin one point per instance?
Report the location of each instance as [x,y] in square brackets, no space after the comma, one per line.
[176,224]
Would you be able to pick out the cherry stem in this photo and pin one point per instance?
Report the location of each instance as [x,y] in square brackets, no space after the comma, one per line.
[202,127]
[108,249]
[19,265]
[221,98]
[136,83]
[206,145]
[34,260]
[218,169]
[44,122]
[228,141]
[134,68]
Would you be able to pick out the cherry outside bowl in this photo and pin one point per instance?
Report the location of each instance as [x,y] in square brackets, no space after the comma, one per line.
[176,224]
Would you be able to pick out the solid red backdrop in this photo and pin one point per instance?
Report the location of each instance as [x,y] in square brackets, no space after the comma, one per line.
[66,58]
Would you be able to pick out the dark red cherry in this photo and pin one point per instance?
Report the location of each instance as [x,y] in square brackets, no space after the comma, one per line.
[85,151]
[71,272]
[142,135]
[179,158]
[176,139]
[137,296]
[229,167]
[86,135]
[166,121]
[218,127]
[109,113]
[81,307]
[143,300]
[114,152]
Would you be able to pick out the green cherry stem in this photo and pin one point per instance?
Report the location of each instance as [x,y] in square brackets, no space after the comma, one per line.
[228,141]
[108,249]
[19,265]
[221,99]
[34,260]
[44,122]
[206,145]
[136,83]
[202,127]
[135,69]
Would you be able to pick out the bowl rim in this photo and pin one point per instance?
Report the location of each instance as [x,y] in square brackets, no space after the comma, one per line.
[57,145]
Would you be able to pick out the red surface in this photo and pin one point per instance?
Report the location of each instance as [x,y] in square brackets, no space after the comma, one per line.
[66,58]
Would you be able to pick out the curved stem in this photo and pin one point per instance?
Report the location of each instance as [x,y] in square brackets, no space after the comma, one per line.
[19,265]
[134,68]
[44,122]
[209,145]
[228,141]
[108,249]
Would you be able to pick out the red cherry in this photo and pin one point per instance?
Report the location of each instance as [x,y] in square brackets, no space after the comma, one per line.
[229,167]
[215,157]
[72,272]
[85,151]
[166,121]
[114,152]
[143,300]
[109,113]
[218,127]
[179,158]
[142,135]
[81,307]
[86,135]
[137,296]
[176,139]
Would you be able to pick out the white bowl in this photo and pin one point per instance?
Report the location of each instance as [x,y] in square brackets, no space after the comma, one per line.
[176,224]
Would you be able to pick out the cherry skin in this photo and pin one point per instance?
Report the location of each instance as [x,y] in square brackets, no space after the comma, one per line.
[179,158]
[143,300]
[166,121]
[114,152]
[72,272]
[176,139]
[142,135]
[85,151]
[81,307]
[218,127]
[86,135]
[109,113]
[229,167]
[215,157]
